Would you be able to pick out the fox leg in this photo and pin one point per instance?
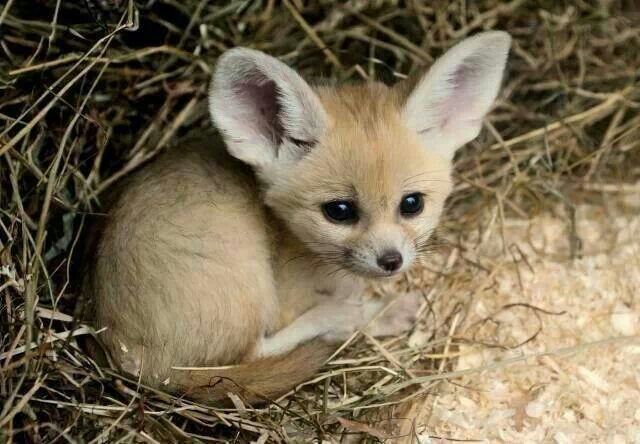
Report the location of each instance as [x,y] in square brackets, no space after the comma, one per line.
[399,317]
[334,320]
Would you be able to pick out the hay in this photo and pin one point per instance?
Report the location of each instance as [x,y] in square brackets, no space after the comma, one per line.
[93,89]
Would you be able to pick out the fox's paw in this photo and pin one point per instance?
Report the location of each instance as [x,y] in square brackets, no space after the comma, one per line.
[399,317]
[352,315]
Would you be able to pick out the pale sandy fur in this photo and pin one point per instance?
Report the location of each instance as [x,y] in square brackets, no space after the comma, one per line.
[192,270]
[202,261]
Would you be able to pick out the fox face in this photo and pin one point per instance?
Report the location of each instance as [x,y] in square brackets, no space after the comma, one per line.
[367,197]
[359,173]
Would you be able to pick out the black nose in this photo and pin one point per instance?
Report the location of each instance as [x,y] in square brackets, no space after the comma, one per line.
[390,260]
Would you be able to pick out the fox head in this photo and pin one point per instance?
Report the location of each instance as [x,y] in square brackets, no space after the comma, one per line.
[359,173]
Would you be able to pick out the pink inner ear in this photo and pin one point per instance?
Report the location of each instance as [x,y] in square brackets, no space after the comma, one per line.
[258,106]
[459,103]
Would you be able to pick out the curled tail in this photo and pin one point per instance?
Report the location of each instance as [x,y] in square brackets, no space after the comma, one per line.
[260,380]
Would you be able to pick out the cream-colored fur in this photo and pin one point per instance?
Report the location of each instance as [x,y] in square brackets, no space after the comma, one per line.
[205,261]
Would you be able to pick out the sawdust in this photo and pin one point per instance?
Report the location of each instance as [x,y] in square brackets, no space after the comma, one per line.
[581,382]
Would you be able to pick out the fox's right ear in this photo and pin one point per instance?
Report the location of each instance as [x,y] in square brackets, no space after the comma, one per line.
[265,111]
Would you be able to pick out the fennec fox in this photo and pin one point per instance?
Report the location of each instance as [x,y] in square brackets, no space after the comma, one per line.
[254,258]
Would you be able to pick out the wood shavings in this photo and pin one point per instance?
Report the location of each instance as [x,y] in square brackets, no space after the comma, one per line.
[589,396]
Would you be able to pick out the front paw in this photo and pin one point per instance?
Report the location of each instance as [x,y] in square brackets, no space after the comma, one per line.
[399,318]
[350,316]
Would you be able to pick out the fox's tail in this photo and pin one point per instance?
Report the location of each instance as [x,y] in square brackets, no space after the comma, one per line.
[260,380]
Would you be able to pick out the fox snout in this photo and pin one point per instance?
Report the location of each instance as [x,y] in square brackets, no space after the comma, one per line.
[390,261]
[381,253]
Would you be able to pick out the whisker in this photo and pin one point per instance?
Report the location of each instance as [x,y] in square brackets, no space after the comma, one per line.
[425,172]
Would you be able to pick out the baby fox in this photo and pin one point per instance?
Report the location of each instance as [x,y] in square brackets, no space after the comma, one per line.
[248,256]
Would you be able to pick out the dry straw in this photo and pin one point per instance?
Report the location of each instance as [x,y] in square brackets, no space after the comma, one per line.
[93,89]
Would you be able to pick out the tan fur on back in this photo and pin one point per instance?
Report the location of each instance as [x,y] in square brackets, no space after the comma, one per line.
[166,248]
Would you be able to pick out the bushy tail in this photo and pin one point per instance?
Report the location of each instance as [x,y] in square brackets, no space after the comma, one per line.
[260,380]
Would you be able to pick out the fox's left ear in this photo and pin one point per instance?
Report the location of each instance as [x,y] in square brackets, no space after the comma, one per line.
[448,104]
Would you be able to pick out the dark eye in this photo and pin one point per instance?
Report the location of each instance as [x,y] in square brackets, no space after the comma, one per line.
[412,204]
[340,211]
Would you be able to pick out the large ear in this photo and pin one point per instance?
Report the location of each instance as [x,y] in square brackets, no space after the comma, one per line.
[448,104]
[264,109]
